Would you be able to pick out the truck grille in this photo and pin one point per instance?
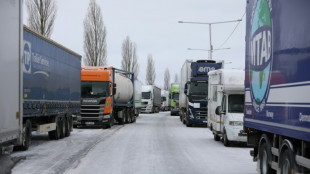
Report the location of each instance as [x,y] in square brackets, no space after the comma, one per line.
[92,110]
[202,115]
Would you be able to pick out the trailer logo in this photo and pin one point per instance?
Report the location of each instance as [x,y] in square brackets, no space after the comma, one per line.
[27,57]
[205,69]
[260,53]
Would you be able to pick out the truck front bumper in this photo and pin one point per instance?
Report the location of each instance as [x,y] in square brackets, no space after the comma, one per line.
[93,121]
[233,134]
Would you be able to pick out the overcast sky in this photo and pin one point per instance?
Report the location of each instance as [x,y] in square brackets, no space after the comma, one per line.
[153,26]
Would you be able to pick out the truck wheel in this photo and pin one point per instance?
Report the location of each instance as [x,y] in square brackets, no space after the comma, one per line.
[128,115]
[264,157]
[63,127]
[67,127]
[286,162]
[188,124]
[55,134]
[226,142]
[123,119]
[216,137]
[132,116]
[27,130]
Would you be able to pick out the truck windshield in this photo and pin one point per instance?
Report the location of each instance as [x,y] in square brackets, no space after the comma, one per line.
[175,96]
[94,89]
[163,99]
[235,103]
[198,88]
[146,95]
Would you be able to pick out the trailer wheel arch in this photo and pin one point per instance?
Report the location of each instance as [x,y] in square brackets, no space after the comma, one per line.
[265,147]
[287,150]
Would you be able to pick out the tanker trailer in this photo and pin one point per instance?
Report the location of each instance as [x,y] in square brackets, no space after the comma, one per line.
[106,94]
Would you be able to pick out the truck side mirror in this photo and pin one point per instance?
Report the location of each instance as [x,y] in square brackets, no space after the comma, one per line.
[218,110]
[185,91]
[114,88]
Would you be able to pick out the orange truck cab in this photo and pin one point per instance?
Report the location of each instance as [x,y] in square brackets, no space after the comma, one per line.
[106,95]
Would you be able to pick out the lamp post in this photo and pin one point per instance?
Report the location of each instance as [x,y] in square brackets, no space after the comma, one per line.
[209,23]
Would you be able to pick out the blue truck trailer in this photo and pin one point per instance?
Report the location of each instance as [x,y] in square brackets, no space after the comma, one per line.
[51,87]
[277,85]
[193,99]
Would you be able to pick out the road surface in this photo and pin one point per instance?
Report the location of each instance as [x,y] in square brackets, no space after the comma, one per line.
[156,143]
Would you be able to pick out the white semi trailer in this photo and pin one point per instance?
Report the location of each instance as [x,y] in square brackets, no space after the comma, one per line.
[11,74]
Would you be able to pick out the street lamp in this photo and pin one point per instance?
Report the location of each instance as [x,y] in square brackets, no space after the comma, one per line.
[209,23]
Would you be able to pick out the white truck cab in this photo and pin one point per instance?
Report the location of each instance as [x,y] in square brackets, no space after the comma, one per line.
[225,105]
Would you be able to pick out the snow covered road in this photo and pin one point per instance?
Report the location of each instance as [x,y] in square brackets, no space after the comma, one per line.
[156,143]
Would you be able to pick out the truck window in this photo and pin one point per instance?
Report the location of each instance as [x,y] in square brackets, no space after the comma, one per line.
[198,88]
[91,89]
[163,99]
[236,103]
[224,103]
[215,93]
[175,96]
[146,95]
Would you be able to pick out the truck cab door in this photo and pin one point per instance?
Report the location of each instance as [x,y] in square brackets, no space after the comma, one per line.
[223,113]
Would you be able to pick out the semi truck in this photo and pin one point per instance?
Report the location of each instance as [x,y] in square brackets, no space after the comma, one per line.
[225,105]
[151,99]
[49,83]
[194,91]
[165,104]
[138,97]
[107,94]
[174,99]
[277,85]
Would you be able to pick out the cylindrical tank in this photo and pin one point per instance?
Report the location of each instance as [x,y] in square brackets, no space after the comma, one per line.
[124,88]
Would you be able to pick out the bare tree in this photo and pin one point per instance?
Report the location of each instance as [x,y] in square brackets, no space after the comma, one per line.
[176,78]
[130,58]
[41,15]
[150,71]
[167,80]
[95,32]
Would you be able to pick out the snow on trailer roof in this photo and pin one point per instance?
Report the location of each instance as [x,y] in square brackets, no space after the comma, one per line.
[232,79]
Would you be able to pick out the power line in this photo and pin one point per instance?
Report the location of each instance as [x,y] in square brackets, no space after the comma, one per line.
[232,32]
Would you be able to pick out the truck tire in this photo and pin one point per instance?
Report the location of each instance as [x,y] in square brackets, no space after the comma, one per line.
[123,119]
[264,157]
[67,127]
[132,115]
[216,137]
[55,134]
[27,131]
[128,116]
[226,142]
[286,162]
[63,127]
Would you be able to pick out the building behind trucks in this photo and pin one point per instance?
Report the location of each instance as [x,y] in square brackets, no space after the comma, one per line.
[225,105]
[151,99]
[277,85]
[138,97]
[194,91]
[174,99]
[165,104]
[107,93]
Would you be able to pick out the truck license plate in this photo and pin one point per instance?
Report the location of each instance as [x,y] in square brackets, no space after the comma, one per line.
[89,123]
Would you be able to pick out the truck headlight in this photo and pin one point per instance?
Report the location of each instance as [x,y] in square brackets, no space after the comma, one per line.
[236,123]
[106,116]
